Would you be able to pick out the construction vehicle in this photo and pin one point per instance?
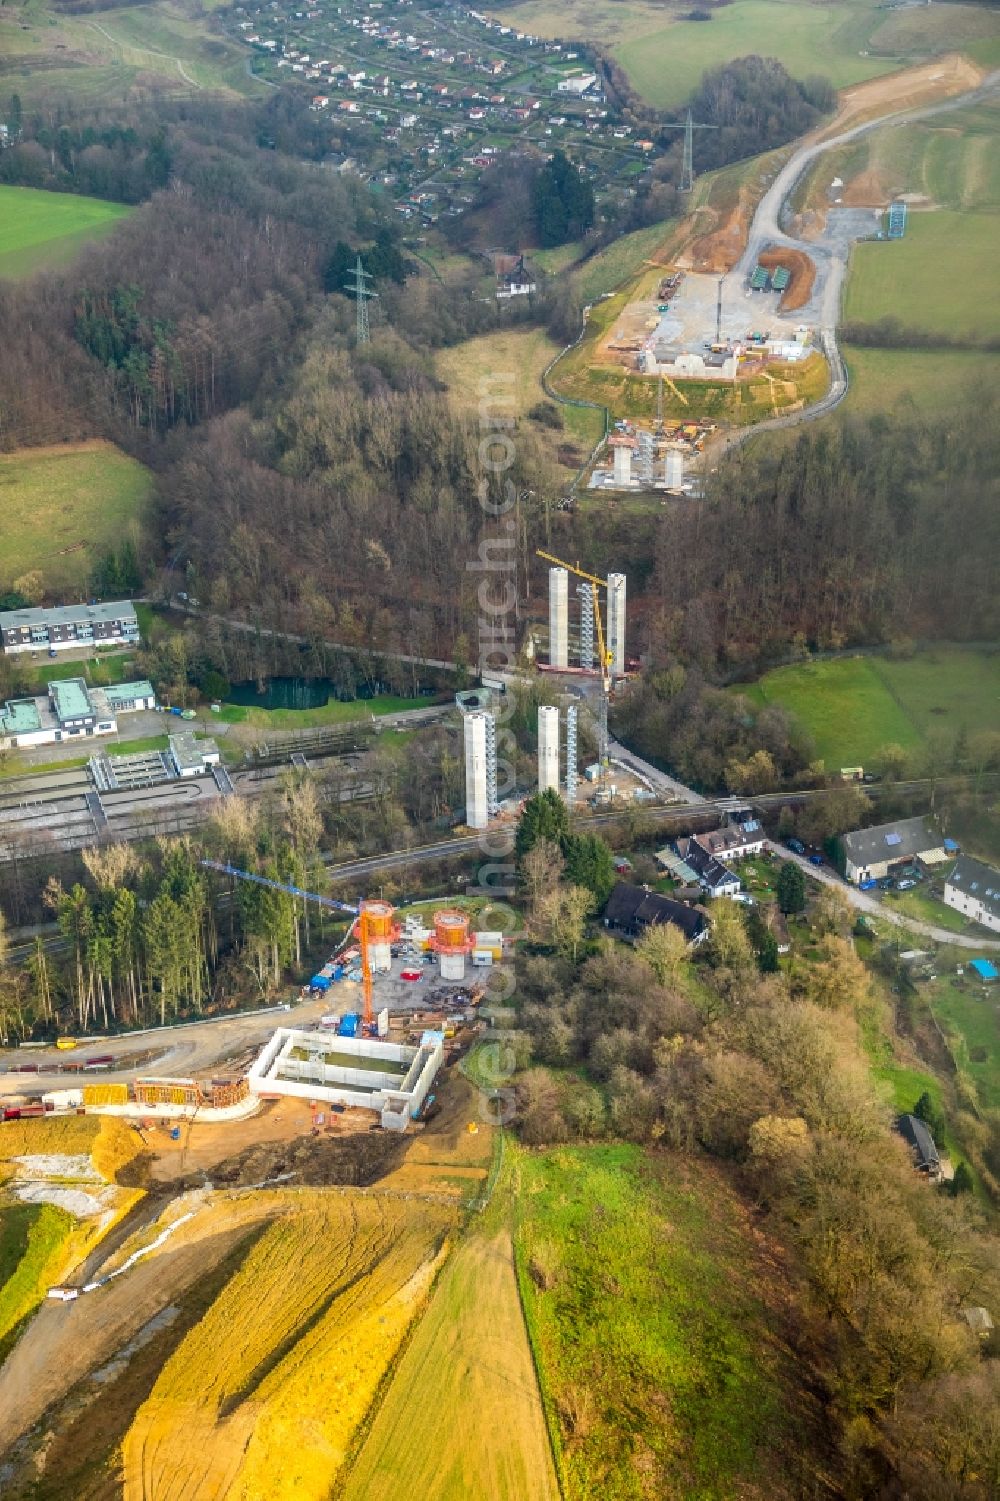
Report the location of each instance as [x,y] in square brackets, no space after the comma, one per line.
[604,656]
[329,902]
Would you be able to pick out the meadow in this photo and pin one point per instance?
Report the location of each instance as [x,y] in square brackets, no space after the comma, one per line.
[337,711]
[105,58]
[854,706]
[659,1353]
[60,506]
[969,1014]
[508,365]
[915,382]
[937,278]
[666,64]
[39,230]
[847,41]
[482,1437]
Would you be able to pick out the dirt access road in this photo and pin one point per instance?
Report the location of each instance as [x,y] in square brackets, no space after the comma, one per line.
[177,1052]
[831,251]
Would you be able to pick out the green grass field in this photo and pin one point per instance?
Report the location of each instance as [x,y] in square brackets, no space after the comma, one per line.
[59,507]
[939,277]
[915,383]
[39,230]
[660,1361]
[853,706]
[971,1018]
[942,278]
[167,47]
[623,258]
[32,1242]
[666,65]
[921,905]
[847,41]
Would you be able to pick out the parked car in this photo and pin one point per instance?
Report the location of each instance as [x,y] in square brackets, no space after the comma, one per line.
[796,846]
[816,860]
[906,885]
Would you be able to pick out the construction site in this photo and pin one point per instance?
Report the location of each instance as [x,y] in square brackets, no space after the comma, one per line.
[714,328]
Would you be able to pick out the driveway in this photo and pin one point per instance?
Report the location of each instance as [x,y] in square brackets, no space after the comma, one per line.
[871,905]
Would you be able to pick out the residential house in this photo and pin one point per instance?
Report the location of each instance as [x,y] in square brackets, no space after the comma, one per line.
[973,888]
[630,910]
[713,877]
[871,854]
[66,626]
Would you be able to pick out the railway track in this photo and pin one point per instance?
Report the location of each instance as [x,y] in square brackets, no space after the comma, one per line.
[673,818]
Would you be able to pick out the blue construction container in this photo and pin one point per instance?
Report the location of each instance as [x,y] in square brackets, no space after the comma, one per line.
[349,1025]
[338,971]
[321,982]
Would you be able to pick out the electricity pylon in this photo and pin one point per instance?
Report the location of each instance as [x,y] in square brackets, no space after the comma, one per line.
[357,284]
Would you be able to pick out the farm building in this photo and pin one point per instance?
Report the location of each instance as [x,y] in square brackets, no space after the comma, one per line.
[870,854]
[630,910]
[973,889]
[386,1077]
[66,626]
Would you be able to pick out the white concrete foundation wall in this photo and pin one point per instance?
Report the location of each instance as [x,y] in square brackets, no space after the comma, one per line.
[623,467]
[558,617]
[368,1088]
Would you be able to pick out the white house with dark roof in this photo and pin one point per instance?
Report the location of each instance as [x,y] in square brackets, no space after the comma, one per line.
[973,888]
[870,854]
[714,877]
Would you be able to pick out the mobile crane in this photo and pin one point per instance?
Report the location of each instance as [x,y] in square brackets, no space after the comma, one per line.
[358,913]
